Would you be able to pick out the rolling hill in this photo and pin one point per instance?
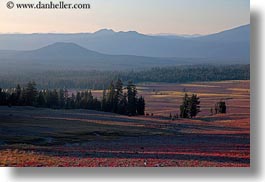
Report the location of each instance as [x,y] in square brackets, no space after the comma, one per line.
[70,56]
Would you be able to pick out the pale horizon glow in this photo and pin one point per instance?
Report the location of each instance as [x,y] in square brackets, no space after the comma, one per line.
[179,17]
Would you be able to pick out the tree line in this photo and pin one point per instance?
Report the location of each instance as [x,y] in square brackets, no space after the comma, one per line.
[117,98]
[78,79]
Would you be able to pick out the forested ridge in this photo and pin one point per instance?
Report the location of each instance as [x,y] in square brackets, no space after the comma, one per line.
[78,79]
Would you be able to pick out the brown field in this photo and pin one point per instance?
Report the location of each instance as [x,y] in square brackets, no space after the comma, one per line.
[44,137]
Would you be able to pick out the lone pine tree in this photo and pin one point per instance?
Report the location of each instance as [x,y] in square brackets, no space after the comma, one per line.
[190,106]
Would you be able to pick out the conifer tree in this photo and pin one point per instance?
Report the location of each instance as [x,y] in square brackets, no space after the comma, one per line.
[123,106]
[110,98]
[222,107]
[132,100]
[184,107]
[104,101]
[41,100]
[30,94]
[62,98]
[190,106]
[18,94]
[194,107]
[141,106]
[118,96]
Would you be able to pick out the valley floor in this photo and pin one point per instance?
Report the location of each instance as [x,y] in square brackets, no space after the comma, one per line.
[44,137]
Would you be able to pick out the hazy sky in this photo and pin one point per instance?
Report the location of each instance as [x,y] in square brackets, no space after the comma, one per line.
[145,16]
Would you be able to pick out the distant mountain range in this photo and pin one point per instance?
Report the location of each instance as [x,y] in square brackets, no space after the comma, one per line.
[123,50]
[71,56]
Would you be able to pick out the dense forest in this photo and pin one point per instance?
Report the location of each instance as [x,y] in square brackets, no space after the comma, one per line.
[118,98]
[77,79]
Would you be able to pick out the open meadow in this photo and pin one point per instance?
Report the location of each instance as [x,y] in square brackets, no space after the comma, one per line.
[84,138]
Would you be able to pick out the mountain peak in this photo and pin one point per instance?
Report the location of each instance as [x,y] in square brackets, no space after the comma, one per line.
[104,32]
[129,32]
[58,46]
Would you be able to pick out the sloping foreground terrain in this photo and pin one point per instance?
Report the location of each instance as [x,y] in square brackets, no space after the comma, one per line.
[82,138]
